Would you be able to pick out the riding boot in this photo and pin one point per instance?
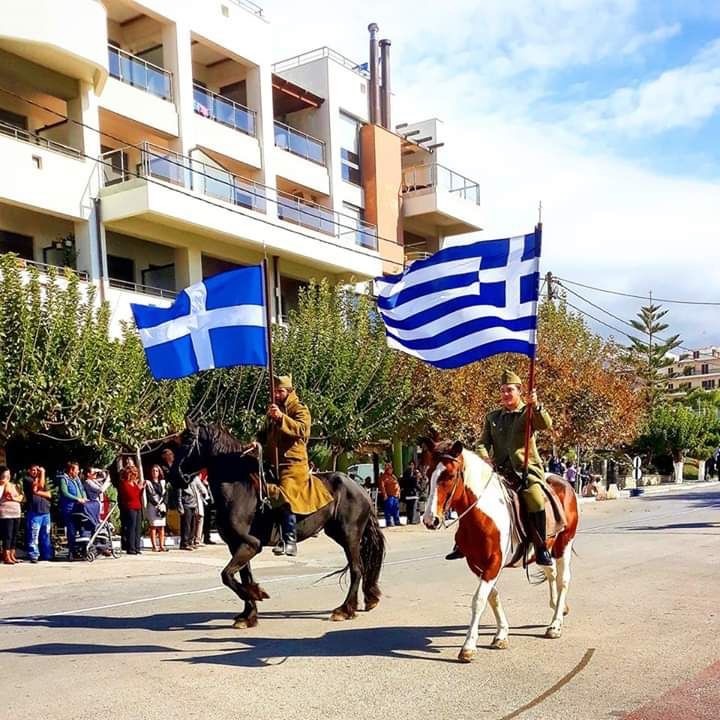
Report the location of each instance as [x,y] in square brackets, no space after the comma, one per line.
[537,521]
[455,554]
[288,541]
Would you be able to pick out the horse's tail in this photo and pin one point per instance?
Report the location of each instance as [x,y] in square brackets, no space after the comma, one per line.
[372,554]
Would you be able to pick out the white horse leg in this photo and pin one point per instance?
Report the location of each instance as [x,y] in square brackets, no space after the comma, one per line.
[478,605]
[500,641]
[563,585]
[551,577]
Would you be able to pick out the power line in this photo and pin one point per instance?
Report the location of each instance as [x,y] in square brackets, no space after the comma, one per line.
[602,322]
[181,191]
[639,297]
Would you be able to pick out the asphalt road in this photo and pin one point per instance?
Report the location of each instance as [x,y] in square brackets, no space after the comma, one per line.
[151,636]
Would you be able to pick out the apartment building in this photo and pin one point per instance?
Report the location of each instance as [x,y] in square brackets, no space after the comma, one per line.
[148,144]
[699,369]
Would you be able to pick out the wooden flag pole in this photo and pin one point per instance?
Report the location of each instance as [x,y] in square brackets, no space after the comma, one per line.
[531,380]
[270,368]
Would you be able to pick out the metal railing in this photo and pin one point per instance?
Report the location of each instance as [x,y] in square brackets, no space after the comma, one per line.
[299,143]
[140,73]
[249,6]
[45,268]
[411,257]
[35,139]
[421,177]
[223,110]
[318,53]
[144,289]
[210,181]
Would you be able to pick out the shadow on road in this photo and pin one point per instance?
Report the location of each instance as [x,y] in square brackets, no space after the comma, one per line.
[707,498]
[675,526]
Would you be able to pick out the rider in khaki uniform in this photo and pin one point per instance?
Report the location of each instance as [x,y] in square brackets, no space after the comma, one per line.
[285,440]
[504,435]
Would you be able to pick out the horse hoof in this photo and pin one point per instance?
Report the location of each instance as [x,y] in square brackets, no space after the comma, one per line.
[242,623]
[553,633]
[500,644]
[371,605]
[466,656]
[338,615]
[255,592]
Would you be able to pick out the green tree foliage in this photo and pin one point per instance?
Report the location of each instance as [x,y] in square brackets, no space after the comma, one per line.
[676,430]
[62,376]
[650,355]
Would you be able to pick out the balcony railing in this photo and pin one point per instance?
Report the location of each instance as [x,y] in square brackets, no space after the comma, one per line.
[46,268]
[144,289]
[323,52]
[140,73]
[421,177]
[299,143]
[223,110]
[250,6]
[165,165]
[35,139]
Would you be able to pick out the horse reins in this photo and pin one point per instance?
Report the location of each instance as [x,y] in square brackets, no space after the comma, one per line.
[448,500]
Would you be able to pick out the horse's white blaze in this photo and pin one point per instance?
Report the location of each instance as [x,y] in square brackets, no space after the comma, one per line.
[492,499]
[431,509]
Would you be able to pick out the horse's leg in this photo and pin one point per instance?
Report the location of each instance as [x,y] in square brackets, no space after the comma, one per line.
[350,543]
[485,587]
[551,577]
[242,554]
[248,617]
[500,641]
[563,584]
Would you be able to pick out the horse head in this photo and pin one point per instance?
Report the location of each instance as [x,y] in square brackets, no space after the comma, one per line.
[445,467]
[190,454]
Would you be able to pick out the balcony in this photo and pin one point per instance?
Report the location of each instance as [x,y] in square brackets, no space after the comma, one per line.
[301,158]
[46,175]
[145,192]
[71,43]
[223,110]
[139,90]
[299,143]
[436,197]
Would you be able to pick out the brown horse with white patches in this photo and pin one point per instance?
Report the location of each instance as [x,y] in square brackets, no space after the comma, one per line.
[461,481]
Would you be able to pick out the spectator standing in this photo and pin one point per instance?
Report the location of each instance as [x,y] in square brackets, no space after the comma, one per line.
[72,494]
[209,509]
[156,497]
[571,475]
[39,499]
[95,483]
[10,515]
[187,507]
[389,490]
[410,490]
[202,498]
[130,492]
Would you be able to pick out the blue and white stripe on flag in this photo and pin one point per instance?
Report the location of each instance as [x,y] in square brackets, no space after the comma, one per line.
[465,302]
[219,322]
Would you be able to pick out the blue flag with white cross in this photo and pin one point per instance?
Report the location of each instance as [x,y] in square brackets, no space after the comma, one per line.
[465,302]
[219,322]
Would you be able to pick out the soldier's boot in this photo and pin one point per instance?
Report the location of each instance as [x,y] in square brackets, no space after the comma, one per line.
[537,521]
[455,554]
[288,540]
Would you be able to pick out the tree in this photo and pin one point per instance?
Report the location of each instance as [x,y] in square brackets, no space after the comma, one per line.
[63,377]
[651,356]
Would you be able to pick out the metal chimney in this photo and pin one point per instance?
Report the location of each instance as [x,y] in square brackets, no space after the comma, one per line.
[374,100]
[385,91]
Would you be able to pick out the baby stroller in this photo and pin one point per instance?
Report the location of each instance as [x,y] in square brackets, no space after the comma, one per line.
[95,538]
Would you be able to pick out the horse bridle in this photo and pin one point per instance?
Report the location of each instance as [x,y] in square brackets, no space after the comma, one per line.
[193,447]
[446,505]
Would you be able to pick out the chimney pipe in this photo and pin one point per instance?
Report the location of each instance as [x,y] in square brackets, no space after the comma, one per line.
[374,104]
[385,91]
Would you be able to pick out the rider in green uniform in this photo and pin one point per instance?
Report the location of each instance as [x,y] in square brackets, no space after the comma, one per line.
[504,437]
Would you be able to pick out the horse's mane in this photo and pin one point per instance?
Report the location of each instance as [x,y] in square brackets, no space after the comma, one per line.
[222,440]
[477,471]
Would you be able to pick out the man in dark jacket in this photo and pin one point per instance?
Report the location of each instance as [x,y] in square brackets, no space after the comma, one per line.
[410,489]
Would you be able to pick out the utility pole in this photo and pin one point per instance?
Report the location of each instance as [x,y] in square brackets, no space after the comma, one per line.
[549,282]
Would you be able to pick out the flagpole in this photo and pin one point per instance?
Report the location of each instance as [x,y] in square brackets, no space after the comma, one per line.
[268,329]
[531,379]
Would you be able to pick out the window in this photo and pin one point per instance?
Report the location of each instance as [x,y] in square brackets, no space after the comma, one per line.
[350,149]
[704,369]
[120,268]
[11,118]
[364,235]
[670,386]
[21,245]
[708,384]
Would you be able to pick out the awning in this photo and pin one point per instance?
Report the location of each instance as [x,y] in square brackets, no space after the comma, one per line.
[289,97]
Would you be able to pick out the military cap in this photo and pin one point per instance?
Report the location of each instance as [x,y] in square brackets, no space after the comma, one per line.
[283,382]
[510,378]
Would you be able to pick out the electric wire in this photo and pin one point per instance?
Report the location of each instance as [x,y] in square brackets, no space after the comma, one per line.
[190,194]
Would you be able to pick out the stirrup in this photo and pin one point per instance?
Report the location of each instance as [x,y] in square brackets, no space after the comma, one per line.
[543,557]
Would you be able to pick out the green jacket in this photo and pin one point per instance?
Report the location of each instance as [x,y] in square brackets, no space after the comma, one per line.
[504,435]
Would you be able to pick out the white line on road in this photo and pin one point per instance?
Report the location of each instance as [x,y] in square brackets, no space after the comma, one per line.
[138,601]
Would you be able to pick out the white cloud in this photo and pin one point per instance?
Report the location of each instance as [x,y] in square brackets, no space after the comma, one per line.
[480,66]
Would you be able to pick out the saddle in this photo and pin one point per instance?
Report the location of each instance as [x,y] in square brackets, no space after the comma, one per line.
[555,521]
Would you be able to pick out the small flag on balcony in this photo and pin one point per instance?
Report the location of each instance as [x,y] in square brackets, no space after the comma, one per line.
[219,322]
[465,302]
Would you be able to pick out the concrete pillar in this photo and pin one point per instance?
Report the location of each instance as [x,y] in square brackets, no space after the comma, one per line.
[188,267]
[259,97]
[398,456]
[678,470]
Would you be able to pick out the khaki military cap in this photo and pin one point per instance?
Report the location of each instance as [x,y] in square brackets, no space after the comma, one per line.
[510,378]
[283,382]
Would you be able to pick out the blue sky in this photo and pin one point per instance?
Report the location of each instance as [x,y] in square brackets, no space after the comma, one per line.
[607,110]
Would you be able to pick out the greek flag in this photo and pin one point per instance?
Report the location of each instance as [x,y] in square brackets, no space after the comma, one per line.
[465,302]
[219,322]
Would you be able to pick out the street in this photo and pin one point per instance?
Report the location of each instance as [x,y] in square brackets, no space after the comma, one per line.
[151,637]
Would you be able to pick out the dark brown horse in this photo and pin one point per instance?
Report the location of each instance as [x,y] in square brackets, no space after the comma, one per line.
[246,525]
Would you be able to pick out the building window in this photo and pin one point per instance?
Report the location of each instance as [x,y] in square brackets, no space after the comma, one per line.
[670,386]
[120,268]
[708,384]
[350,149]
[21,245]
[704,369]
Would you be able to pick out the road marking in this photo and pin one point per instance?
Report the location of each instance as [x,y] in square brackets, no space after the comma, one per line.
[138,601]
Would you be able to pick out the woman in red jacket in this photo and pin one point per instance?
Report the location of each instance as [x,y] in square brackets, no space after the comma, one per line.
[130,493]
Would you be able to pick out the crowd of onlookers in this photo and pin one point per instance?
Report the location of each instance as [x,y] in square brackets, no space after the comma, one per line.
[84,502]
